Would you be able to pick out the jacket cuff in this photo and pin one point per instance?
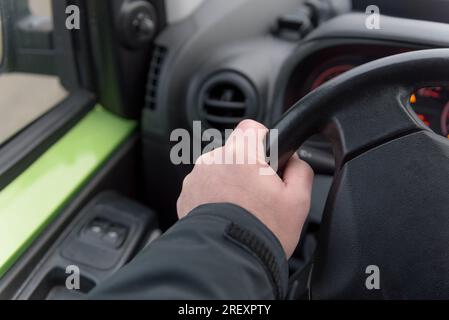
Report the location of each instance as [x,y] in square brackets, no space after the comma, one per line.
[248,232]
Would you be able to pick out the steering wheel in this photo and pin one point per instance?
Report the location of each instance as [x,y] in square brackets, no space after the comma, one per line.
[389,203]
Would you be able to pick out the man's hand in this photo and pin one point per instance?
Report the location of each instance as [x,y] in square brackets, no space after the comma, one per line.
[282,205]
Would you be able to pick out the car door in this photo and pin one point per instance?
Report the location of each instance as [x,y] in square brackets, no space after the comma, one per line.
[72,83]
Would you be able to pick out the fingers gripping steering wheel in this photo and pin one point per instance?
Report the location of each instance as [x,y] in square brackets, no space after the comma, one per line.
[389,203]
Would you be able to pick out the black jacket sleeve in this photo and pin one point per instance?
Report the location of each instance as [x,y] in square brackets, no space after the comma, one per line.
[219,251]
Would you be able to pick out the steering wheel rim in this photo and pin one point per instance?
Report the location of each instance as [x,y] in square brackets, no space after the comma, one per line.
[381,149]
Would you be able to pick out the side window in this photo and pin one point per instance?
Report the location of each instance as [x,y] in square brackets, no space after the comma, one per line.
[1,38]
[24,97]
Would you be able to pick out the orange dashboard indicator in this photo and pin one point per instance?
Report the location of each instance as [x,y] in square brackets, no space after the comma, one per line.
[423,119]
[413,98]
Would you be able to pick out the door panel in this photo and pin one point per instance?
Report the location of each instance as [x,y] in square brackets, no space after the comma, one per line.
[31,201]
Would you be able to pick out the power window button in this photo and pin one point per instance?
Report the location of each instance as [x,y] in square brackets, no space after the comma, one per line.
[115,236]
[96,228]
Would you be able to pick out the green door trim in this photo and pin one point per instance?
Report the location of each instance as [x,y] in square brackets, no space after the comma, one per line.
[30,202]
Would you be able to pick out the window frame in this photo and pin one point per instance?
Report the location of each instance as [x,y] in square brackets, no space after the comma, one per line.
[72,66]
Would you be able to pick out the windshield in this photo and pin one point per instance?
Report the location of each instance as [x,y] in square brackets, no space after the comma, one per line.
[431,10]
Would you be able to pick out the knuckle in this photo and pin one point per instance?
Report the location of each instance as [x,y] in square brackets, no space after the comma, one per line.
[251,124]
[308,169]
[306,172]
[230,149]
[201,159]
[186,181]
[178,203]
[217,154]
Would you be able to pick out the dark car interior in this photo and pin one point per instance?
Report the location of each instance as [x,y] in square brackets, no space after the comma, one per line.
[231,60]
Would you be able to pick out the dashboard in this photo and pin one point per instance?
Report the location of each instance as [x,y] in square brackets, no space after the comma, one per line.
[431,104]
[235,67]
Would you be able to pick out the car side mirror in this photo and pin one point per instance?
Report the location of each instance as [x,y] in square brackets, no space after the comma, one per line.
[37,44]
[27,41]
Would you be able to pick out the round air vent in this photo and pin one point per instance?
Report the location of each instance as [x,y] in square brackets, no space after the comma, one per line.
[226,99]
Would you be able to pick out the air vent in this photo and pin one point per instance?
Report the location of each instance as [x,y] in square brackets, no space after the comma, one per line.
[157,61]
[226,99]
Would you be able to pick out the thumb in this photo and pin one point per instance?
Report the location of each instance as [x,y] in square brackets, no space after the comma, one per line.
[298,175]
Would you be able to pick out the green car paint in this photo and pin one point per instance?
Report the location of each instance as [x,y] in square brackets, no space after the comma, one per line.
[34,199]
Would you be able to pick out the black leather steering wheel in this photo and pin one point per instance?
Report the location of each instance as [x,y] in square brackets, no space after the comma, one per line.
[389,203]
